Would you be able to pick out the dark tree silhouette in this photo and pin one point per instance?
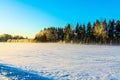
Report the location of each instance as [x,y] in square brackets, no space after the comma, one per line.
[88,32]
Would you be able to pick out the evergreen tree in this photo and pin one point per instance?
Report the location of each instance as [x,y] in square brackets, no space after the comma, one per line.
[67,32]
[60,34]
[77,28]
[99,31]
[88,32]
[83,33]
[111,29]
[88,29]
[118,29]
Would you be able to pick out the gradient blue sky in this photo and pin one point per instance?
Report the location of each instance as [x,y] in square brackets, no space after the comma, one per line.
[28,17]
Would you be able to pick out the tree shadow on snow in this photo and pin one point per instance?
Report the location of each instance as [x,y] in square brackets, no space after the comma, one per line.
[19,74]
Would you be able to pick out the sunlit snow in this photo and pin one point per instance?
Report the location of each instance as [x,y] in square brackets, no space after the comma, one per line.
[61,61]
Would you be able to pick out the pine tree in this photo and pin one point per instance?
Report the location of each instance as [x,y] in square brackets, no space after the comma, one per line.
[67,32]
[60,34]
[88,32]
[110,31]
[99,31]
[118,29]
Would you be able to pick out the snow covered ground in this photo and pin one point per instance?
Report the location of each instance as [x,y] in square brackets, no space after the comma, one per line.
[55,61]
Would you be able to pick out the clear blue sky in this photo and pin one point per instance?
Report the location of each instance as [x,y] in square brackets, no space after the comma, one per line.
[28,17]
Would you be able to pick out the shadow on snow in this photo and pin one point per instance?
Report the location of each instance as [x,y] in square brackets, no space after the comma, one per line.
[19,74]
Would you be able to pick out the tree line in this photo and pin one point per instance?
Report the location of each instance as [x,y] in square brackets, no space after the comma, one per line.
[100,32]
[5,37]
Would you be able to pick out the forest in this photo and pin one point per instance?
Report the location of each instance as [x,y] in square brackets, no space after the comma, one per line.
[100,32]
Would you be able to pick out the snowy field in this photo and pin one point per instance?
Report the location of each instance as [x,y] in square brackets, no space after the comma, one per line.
[55,61]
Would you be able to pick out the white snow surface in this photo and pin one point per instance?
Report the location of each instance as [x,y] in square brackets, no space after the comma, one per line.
[63,61]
